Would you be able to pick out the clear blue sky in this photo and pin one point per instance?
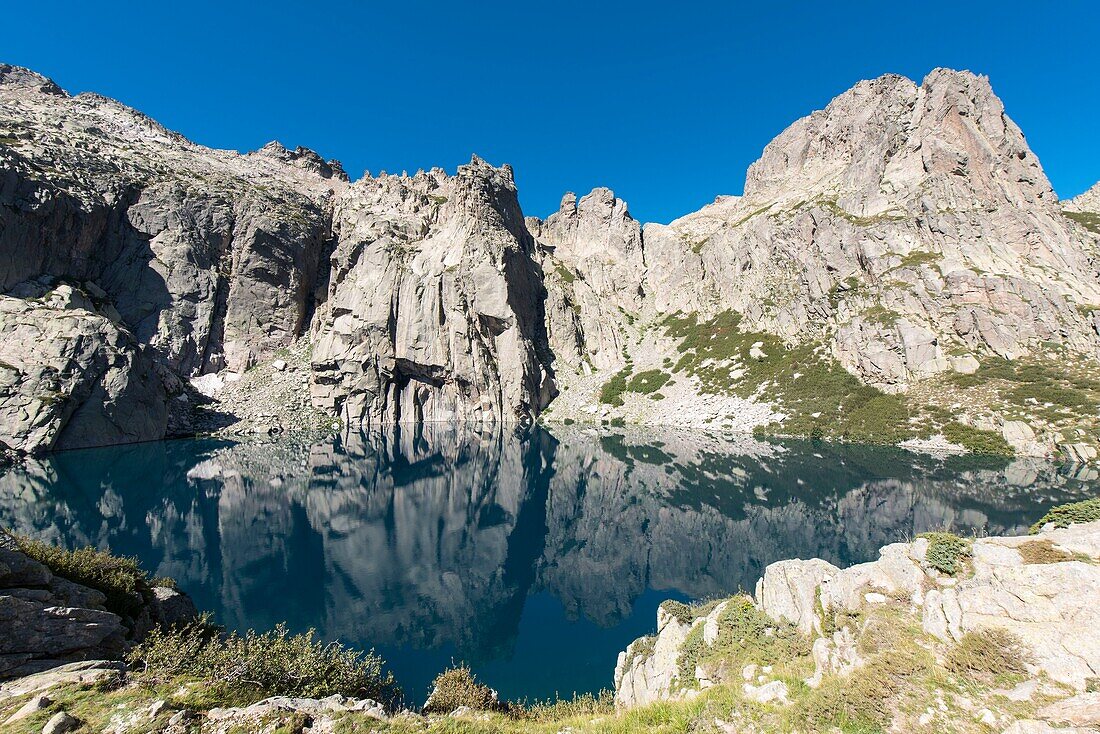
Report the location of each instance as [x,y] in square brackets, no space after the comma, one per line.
[665,103]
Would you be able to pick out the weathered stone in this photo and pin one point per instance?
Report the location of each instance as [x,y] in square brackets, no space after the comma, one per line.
[789,592]
[30,708]
[86,673]
[60,723]
[775,691]
[1080,710]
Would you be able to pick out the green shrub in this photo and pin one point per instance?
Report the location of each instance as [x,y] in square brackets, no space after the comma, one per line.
[1065,515]
[946,551]
[977,440]
[256,665]
[681,612]
[121,579]
[992,651]
[612,391]
[459,686]
[648,381]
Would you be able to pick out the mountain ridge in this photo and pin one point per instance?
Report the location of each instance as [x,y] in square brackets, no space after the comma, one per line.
[903,235]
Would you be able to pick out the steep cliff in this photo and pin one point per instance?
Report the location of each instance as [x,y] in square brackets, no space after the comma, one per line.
[422,293]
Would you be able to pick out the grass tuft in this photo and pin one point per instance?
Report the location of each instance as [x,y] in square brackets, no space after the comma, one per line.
[457,687]
[947,552]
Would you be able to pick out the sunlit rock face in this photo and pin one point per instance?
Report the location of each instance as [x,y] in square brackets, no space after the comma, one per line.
[901,224]
[434,309]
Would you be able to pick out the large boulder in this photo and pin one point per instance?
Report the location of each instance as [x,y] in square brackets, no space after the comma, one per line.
[71,377]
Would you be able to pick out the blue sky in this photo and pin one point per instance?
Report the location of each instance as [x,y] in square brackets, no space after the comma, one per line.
[667,104]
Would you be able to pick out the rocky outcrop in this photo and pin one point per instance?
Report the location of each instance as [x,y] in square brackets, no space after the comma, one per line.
[434,309]
[591,254]
[47,620]
[1044,590]
[72,377]
[1050,606]
[1086,202]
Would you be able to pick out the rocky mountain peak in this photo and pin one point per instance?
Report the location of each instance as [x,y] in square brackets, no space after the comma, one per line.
[888,144]
[1086,202]
[17,77]
[303,158]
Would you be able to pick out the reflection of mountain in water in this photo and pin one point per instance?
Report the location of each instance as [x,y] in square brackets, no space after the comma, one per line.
[437,538]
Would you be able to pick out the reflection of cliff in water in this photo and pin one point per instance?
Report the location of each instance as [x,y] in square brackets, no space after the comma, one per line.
[438,537]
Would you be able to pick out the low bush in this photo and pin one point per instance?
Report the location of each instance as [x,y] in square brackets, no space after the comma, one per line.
[648,381]
[1065,515]
[612,391]
[977,440]
[121,579]
[256,665]
[946,551]
[457,687]
[990,651]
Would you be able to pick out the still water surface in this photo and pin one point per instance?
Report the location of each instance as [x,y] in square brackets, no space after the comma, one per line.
[535,557]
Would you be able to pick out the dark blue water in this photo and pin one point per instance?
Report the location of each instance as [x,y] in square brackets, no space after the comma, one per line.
[533,557]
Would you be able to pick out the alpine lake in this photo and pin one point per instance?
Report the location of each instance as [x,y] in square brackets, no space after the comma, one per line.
[534,556]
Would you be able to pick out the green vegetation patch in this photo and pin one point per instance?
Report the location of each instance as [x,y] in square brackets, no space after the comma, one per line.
[947,552]
[1065,515]
[612,391]
[976,440]
[1060,391]
[121,579]
[820,398]
[1088,220]
[648,381]
[249,667]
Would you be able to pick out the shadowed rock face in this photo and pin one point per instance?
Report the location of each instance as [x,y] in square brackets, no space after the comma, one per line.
[423,296]
[433,539]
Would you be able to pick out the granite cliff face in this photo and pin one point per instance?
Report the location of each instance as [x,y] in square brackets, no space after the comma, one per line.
[434,305]
[424,301]
[903,233]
